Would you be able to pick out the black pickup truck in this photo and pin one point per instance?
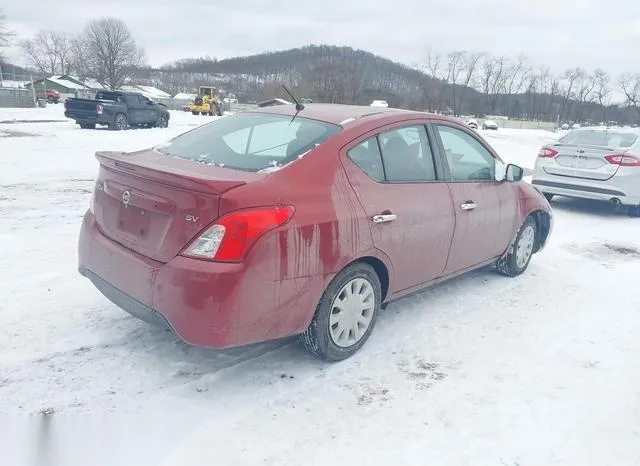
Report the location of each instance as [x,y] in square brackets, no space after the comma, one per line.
[118,110]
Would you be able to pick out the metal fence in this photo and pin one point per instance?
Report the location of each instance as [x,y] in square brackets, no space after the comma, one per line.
[20,98]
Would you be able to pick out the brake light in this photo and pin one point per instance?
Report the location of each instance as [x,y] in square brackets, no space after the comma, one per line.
[99,109]
[547,153]
[624,160]
[232,235]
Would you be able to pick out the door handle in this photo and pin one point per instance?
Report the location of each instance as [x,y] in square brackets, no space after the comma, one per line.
[384,218]
[469,205]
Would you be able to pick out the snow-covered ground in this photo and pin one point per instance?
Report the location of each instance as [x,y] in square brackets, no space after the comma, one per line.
[541,369]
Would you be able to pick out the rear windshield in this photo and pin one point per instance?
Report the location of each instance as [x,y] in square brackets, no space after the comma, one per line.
[113,96]
[250,141]
[610,139]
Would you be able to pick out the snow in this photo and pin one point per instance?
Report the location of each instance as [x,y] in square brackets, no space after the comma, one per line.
[148,91]
[540,369]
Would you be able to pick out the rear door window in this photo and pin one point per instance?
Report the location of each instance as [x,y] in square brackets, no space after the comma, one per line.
[367,157]
[406,154]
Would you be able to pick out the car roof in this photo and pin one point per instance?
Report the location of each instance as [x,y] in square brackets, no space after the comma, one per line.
[339,113]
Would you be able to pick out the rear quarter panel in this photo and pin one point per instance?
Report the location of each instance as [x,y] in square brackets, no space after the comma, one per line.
[325,234]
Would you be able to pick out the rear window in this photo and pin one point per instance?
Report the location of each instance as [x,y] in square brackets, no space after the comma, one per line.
[109,96]
[250,141]
[610,139]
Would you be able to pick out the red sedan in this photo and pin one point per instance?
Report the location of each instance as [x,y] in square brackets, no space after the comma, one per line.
[272,223]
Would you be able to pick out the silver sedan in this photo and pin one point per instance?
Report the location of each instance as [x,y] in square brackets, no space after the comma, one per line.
[592,163]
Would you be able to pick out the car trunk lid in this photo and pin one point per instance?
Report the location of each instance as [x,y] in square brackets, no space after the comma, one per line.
[582,161]
[155,204]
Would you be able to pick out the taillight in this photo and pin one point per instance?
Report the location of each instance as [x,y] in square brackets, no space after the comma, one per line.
[547,153]
[99,109]
[232,235]
[624,160]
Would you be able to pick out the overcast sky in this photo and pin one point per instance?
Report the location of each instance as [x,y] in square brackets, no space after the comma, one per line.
[556,33]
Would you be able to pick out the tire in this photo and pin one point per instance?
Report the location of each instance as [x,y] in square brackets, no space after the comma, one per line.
[119,122]
[194,112]
[87,125]
[163,122]
[548,196]
[203,113]
[520,252]
[323,337]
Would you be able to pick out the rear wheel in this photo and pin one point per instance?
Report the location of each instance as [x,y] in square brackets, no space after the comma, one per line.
[346,314]
[119,122]
[517,259]
[193,112]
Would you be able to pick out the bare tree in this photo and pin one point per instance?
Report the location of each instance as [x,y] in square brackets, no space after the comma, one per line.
[49,52]
[106,51]
[470,62]
[436,71]
[5,34]
[516,75]
[630,85]
[492,80]
[455,67]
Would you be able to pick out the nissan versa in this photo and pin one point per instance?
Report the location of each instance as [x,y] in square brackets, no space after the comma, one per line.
[288,221]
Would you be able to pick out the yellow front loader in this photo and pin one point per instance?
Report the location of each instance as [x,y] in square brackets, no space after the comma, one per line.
[207,102]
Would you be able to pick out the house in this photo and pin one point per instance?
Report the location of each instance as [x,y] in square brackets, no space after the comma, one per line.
[54,83]
[87,83]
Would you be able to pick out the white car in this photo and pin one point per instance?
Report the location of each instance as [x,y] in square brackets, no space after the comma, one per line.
[379,103]
[490,124]
[472,123]
[594,163]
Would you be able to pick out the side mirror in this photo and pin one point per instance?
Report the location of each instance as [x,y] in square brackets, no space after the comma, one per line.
[514,173]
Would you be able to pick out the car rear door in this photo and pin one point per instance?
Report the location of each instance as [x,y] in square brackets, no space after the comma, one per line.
[485,209]
[136,109]
[408,208]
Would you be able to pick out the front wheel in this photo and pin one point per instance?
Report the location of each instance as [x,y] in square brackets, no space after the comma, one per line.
[346,314]
[517,259]
[163,122]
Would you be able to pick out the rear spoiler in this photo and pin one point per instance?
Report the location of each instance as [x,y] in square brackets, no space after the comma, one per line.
[175,172]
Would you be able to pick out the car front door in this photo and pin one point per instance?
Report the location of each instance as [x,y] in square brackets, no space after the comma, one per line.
[408,207]
[485,209]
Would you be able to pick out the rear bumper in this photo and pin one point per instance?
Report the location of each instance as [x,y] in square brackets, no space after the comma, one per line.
[206,304]
[92,119]
[586,189]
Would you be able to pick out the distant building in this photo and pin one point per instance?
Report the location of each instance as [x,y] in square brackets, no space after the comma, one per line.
[55,83]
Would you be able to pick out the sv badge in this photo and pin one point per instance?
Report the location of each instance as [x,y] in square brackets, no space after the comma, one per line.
[191,218]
